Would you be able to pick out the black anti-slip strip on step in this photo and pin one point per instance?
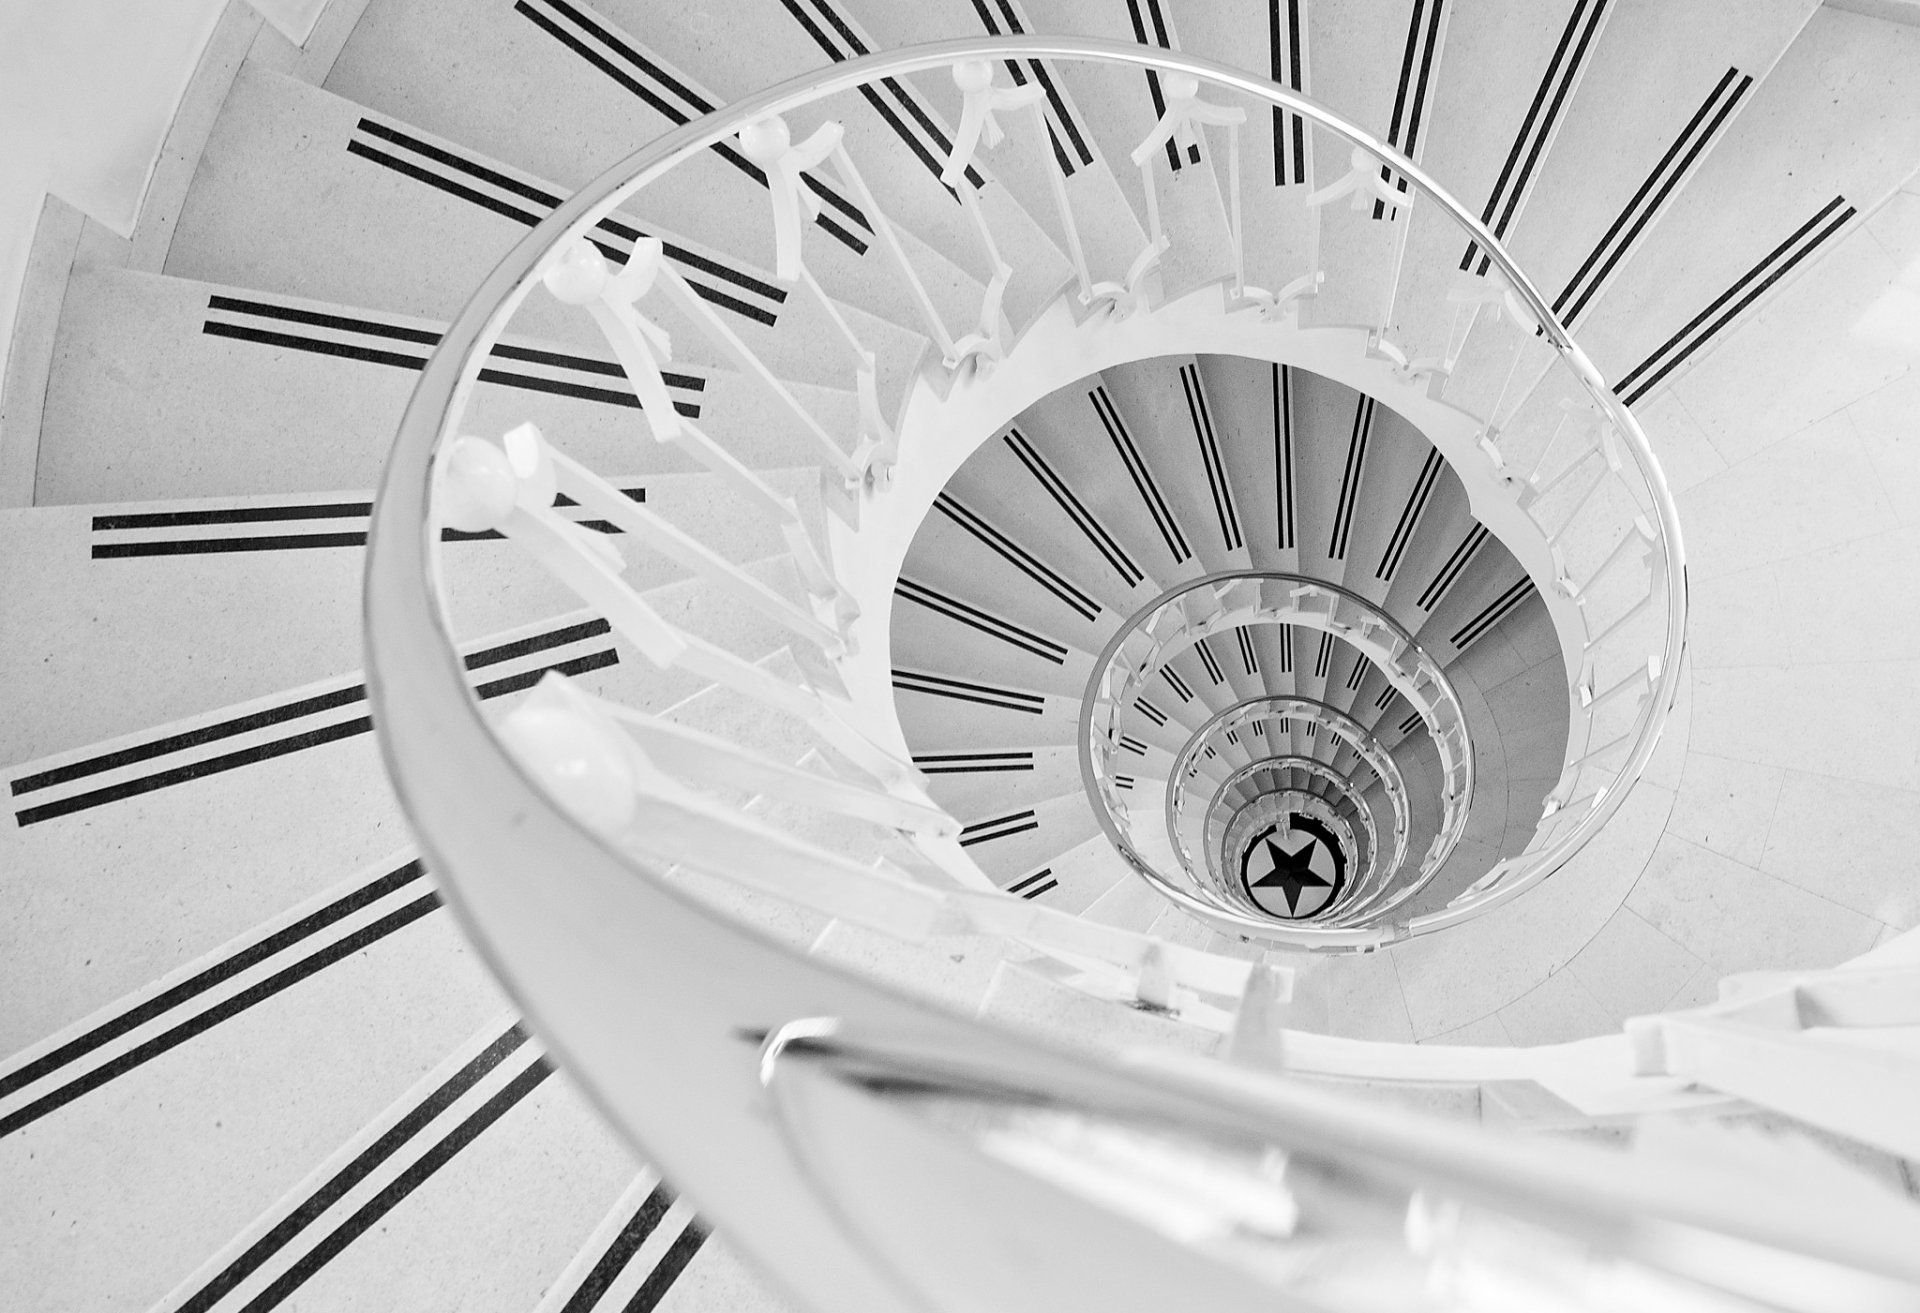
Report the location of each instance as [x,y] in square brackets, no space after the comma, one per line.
[1177,684]
[1410,724]
[1286,649]
[648,79]
[1249,657]
[417,360]
[1492,614]
[281,541]
[1207,659]
[400,360]
[974,618]
[1387,695]
[1450,568]
[1133,745]
[1416,74]
[1006,22]
[1283,456]
[665,1272]
[626,1243]
[961,690]
[365,327]
[1151,712]
[1286,66]
[998,827]
[1210,458]
[1017,556]
[1082,518]
[271,716]
[1158,38]
[1701,329]
[1359,673]
[232,515]
[833,32]
[304,944]
[1350,478]
[1323,659]
[972,763]
[1410,516]
[1645,203]
[623,235]
[290,711]
[1142,477]
[368,1165]
[1034,885]
[1537,129]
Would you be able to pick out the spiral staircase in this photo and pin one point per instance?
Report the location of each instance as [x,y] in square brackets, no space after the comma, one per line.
[967,620]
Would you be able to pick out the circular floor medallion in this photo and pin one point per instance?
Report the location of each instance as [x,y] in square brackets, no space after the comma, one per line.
[1293,868]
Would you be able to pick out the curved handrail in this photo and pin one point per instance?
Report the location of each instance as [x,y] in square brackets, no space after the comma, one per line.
[1509,878]
[586,938]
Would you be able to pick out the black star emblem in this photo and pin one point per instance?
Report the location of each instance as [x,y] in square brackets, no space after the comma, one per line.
[1292,872]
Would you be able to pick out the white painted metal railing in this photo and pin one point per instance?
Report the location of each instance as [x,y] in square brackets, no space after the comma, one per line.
[1219,842]
[553,832]
[1172,625]
[1260,719]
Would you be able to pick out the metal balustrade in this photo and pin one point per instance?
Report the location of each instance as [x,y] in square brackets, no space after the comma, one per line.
[599,804]
[1200,609]
[1183,819]
[1220,842]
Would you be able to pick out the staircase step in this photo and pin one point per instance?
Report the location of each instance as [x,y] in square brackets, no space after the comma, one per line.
[1058,479]
[229,817]
[1122,106]
[1251,403]
[898,142]
[295,184]
[559,89]
[1130,905]
[1382,71]
[1167,405]
[977,783]
[1072,880]
[1441,546]
[260,1090]
[1280,232]
[954,970]
[187,606]
[948,713]
[1508,80]
[946,633]
[1662,85]
[1333,427]
[1748,221]
[1027,1000]
[296,784]
[478,1182]
[1010,844]
[650,1250]
[960,551]
[163,387]
[1025,164]
[1398,477]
